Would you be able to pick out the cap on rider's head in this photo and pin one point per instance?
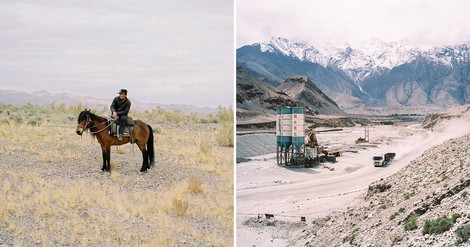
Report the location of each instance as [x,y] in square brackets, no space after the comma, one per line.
[124,91]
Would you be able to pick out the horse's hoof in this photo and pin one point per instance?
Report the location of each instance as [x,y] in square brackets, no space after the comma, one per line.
[143,170]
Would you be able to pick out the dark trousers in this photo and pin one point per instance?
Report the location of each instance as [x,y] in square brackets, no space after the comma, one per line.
[122,123]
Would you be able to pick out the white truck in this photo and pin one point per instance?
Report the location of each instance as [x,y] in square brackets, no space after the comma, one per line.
[383,160]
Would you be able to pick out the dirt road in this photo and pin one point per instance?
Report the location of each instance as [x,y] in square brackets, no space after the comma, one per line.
[263,187]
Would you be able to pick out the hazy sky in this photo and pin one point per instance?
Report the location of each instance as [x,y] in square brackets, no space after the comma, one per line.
[426,23]
[164,51]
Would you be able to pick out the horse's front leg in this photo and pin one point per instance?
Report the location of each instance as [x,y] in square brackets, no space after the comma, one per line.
[106,158]
[103,152]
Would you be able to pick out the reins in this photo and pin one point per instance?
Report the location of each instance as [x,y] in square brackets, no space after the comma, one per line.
[98,131]
[89,121]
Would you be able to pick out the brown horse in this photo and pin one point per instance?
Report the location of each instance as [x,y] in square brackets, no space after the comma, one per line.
[98,126]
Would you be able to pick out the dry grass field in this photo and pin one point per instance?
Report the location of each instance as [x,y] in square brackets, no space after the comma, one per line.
[53,193]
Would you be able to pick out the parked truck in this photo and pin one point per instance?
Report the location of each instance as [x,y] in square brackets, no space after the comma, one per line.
[383,160]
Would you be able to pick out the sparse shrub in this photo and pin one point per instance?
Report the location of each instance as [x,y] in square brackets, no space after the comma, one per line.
[396,239]
[411,223]
[120,150]
[225,115]
[157,130]
[386,123]
[463,234]
[350,238]
[180,206]
[34,122]
[437,226]
[455,217]
[195,185]
[18,119]
[464,194]
[204,149]
[406,195]
[224,136]
[393,216]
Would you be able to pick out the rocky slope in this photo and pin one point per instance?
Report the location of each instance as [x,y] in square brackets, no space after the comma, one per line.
[376,73]
[394,211]
[304,90]
[257,99]
[440,120]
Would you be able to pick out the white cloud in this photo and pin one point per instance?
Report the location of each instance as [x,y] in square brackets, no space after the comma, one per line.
[425,22]
[164,50]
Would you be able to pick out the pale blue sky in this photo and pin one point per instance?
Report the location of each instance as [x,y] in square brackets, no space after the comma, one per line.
[165,51]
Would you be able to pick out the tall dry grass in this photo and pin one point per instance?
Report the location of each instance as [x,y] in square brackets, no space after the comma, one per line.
[44,207]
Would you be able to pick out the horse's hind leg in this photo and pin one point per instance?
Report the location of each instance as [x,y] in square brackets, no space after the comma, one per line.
[145,162]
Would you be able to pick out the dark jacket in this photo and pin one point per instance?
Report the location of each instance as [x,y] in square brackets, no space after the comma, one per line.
[121,107]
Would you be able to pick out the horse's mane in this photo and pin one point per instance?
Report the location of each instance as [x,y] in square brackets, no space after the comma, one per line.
[93,117]
[99,118]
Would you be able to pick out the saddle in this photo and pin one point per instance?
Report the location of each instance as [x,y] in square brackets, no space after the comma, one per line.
[128,130]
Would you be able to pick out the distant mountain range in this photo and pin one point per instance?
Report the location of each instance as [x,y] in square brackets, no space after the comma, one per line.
[19,98]
[374,74]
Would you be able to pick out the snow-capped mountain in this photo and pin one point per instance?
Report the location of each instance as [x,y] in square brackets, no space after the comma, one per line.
[376,72]
[357,62]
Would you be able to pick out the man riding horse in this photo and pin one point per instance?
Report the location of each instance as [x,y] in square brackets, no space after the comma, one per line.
[120,108]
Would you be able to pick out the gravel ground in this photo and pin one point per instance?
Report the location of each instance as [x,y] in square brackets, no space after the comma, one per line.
[82,167]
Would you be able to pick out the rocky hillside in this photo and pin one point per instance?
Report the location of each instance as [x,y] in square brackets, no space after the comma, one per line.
[376,73]
[424,204]
[257,99]
[440,120]
[304,90]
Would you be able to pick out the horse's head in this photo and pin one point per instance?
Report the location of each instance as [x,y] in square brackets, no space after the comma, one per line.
[83,122]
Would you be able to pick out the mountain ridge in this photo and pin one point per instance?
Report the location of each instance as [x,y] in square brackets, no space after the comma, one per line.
[369,74]
[43,97]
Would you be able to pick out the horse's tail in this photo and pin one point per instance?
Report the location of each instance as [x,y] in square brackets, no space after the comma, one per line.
[150,147]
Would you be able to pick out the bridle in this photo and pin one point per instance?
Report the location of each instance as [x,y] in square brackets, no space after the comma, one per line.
[87,123]
[89,127]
